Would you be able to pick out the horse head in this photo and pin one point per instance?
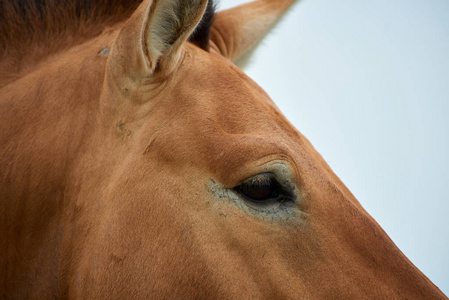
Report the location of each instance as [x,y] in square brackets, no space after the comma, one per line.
[162,170]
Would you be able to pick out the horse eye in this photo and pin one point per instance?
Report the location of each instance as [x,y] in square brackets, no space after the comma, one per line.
[259,188]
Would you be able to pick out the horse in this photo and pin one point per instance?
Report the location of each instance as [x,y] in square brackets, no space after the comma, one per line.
[137,161]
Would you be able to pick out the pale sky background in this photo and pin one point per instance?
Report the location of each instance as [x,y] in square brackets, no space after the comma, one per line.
[367,82]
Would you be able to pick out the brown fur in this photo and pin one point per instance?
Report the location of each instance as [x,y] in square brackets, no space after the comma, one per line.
[32,30]
[118,172]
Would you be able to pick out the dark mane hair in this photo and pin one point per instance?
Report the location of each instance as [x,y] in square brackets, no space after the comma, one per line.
[200,36]
[32,29]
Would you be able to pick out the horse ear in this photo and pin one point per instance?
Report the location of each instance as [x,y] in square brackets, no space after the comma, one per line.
[238,29]
[152,38]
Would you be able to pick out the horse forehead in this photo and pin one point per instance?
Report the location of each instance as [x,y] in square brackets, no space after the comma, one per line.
[215,88]
[213,72]
[209,98]
[219,116]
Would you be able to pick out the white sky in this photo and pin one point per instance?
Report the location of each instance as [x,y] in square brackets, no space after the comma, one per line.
[367,82]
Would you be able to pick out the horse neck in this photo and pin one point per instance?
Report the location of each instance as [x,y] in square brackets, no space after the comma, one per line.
[49,116]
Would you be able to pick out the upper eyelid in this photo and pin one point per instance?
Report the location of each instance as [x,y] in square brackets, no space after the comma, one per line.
[252,176]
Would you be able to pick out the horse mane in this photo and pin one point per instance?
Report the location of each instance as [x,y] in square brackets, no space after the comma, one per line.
[30,30]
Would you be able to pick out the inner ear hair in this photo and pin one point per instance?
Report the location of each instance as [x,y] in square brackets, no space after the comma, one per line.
[171,23]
